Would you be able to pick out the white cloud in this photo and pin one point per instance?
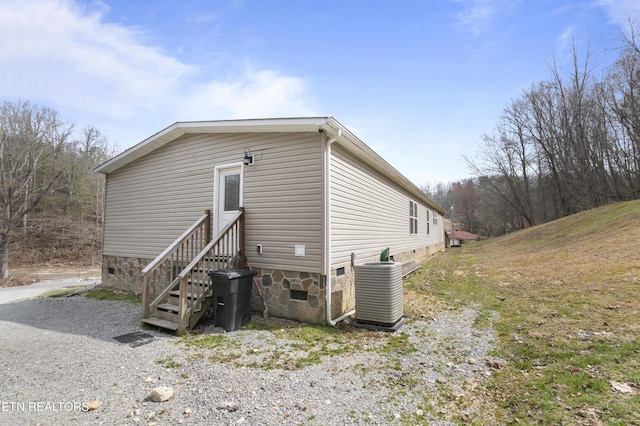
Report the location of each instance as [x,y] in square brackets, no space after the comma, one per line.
[620,11]
[484,24]
[252,94]
[565,41]
[57,53]
[477,16]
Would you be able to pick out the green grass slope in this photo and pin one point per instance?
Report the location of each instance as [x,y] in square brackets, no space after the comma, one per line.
[567,295]
[599,244]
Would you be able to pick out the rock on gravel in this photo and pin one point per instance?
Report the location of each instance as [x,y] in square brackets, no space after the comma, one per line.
[58,355]
[162,394]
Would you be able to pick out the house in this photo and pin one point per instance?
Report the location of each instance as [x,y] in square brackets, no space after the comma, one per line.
[457,238]
[301,200]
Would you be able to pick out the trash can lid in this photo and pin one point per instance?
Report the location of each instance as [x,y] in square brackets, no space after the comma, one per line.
[232,273]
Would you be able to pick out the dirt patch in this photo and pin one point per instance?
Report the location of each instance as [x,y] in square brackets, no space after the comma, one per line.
[25,275]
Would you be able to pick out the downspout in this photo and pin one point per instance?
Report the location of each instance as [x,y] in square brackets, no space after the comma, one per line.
[327,230]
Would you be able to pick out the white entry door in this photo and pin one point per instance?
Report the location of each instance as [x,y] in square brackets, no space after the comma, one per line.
[228,194]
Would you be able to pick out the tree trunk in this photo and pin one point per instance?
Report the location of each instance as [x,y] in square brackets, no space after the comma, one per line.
[4,255]
[5,233]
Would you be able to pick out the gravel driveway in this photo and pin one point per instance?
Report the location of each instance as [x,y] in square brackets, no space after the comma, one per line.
[59,354]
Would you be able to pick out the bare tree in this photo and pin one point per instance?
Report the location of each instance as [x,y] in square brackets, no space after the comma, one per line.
[466,201]
[32,143]
[500,164]
[93,151]
[622,97]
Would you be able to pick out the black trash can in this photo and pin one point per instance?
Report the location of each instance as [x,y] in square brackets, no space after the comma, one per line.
[232,296]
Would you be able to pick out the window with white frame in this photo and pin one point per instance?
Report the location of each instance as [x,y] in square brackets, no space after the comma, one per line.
[413,217]
[435,218]
[428,227]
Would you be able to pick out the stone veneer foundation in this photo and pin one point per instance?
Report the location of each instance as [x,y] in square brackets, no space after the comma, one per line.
[291,294]
[123,273]
[288,294]
[418,255]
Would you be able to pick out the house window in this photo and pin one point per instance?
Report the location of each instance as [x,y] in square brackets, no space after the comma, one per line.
[435,218]
[413,218]
[428,230]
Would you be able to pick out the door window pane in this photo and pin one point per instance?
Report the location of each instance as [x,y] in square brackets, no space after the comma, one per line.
[231,192]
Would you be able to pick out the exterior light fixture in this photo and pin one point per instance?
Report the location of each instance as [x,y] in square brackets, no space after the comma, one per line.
[248,157]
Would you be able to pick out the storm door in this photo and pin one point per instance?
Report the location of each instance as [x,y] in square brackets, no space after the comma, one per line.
[228,195]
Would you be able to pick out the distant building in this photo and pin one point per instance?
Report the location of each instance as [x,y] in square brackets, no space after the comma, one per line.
[457,238]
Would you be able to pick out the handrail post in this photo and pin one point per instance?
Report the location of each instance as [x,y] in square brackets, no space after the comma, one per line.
[207,227]
[182,250]
[145,296]
[183,320]
[241,238]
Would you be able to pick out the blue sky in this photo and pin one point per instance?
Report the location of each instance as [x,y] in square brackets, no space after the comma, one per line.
[418,81]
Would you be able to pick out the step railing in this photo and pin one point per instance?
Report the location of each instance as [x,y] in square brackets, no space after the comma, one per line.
[163,271]
[223,252]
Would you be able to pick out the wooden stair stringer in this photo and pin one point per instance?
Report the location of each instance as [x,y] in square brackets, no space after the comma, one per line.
[167,317]
[197,315]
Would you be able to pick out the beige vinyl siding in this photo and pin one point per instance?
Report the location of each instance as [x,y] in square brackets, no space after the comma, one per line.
[283,203]
[152,200]
[369,214]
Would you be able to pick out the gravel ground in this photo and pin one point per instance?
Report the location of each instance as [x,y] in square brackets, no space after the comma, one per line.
[59,354]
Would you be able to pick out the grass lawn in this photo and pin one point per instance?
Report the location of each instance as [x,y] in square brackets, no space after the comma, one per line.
[567,295]
[564,299]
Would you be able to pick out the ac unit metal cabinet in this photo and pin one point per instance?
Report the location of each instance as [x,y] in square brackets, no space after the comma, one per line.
[378,288]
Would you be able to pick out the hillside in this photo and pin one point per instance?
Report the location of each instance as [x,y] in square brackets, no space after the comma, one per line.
[568,297]
[55,244]
[595,245]
[564,300]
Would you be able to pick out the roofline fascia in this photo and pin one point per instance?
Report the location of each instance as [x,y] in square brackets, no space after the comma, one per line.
[332,126]
[105,167]
[356,146]
[181,128]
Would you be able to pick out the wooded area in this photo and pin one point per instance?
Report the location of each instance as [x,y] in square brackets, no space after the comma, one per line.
[567,144]
[51,199]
